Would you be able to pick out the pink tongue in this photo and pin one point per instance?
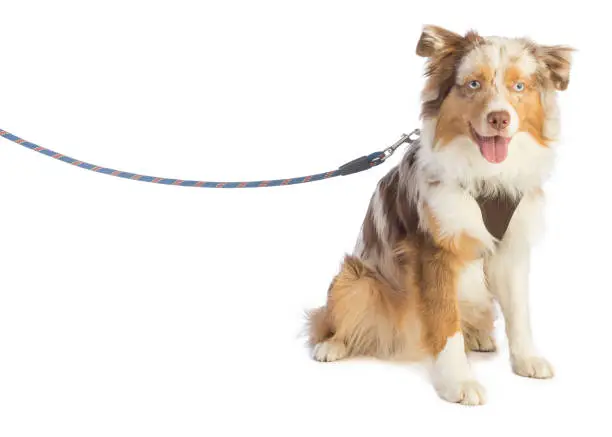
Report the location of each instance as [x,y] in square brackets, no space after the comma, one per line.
[494,149]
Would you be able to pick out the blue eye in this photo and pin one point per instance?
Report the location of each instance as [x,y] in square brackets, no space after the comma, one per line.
[474,84]
[519,86]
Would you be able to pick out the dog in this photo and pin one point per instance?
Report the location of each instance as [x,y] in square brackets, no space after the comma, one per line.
[448,231]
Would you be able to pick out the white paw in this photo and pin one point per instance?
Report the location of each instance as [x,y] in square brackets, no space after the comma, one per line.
[490,246]
[468,392]
[480,342]
[532,367]
[329,351]
[488,241]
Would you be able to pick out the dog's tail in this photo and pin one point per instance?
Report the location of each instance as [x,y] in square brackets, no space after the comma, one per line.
[318,325]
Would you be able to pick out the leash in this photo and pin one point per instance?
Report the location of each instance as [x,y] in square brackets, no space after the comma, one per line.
[355,166]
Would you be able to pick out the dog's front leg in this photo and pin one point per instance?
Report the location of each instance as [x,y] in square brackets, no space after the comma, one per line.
[453,217]
[441,320]
[508,276]
[459,237]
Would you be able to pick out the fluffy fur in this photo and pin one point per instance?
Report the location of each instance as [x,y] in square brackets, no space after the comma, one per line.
[428,265]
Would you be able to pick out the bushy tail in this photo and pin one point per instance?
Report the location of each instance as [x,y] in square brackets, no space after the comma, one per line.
[319,327]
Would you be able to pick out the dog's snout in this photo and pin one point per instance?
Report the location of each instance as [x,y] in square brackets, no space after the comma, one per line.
[498,119]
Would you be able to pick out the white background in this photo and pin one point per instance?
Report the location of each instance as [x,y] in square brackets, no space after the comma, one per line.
[130,309]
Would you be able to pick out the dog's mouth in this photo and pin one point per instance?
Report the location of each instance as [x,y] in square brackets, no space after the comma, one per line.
[494,149]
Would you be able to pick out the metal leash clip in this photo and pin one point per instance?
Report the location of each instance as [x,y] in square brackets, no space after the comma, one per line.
[406,138]
[377,158]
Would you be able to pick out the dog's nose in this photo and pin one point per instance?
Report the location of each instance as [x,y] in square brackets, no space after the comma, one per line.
[498,119]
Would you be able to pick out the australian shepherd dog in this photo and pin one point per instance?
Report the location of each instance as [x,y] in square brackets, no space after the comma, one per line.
[448,231]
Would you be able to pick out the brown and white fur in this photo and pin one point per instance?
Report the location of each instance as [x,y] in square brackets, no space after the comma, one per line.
[426,270]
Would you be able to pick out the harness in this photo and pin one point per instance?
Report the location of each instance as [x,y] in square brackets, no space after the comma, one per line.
[497,211]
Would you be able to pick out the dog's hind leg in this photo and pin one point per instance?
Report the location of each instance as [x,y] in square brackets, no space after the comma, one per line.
[478,338]
[321,337]
[350,323]
[329,350]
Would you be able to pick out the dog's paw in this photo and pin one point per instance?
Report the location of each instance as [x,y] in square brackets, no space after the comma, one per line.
[479,341]
[468,392]
[488,243]
[532,367]
[329,351]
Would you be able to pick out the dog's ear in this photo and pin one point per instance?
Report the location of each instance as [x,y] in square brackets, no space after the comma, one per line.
[443,50]
[557,62]
[436,40]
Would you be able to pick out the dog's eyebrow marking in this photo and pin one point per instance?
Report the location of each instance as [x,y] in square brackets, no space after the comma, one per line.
[482,72]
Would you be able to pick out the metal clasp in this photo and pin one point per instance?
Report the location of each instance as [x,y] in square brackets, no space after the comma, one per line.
[406,138]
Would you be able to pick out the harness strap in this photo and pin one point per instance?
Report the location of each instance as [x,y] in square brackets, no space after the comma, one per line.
[355,166]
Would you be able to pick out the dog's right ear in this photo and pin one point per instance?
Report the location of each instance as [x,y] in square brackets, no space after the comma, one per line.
[435,39]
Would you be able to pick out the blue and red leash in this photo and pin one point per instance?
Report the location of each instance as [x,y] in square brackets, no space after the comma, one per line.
[355,166]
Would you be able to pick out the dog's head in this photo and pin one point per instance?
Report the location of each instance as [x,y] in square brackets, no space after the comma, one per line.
[489,89]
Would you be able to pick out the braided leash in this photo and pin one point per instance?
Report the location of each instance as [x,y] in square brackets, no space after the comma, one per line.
[355,166]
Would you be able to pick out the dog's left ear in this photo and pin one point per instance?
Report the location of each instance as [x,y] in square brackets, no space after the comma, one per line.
[557,61]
